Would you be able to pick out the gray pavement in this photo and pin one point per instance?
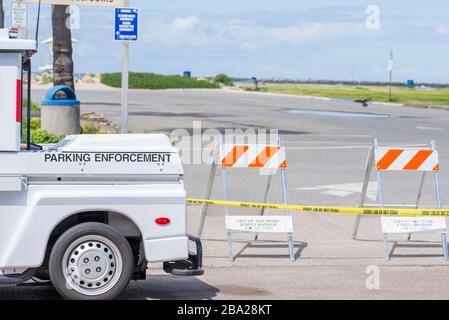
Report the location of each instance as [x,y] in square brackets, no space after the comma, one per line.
[326,157]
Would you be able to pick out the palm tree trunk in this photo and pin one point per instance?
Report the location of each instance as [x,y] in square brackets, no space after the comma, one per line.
[62,47]
[2,15]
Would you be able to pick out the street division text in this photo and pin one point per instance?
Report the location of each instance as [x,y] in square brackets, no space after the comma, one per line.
[108,157]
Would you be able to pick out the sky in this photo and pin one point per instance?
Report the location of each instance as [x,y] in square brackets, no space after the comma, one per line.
[319,39]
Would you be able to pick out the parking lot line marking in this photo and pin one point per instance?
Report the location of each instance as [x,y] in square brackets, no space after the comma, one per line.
[344,190]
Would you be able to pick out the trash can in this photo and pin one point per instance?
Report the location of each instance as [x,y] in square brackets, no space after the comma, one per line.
[60,111]
[255,83]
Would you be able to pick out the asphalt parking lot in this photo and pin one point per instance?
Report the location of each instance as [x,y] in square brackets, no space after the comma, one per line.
[326,155]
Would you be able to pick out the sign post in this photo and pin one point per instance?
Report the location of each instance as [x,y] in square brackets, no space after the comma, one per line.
[126,30]
[125,87]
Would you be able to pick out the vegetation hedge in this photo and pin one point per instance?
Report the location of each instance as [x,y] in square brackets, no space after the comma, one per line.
[156,81]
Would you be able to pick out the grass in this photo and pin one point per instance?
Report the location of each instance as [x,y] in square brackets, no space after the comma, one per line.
[376,93]
[156,81]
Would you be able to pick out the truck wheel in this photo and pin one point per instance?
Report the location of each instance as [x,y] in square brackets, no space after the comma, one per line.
[91,261]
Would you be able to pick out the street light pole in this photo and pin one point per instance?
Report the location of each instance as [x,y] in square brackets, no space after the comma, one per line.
[390,69]
[391,79]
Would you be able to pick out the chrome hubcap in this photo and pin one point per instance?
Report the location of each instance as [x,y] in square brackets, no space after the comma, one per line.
[93,265]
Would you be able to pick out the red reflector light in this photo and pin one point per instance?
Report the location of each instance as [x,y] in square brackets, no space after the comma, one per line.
[163,221]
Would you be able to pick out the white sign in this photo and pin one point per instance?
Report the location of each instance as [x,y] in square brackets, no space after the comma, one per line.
[19,14]
[413,224]
[260,224]
[19,17]
[97,3]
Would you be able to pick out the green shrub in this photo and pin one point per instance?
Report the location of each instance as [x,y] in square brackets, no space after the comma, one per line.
[42,136]
[90,128]
[39,135]
[34,107]
[35,123]
[223,79]
[156,81]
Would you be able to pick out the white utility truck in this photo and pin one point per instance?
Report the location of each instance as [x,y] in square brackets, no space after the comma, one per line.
[89,213]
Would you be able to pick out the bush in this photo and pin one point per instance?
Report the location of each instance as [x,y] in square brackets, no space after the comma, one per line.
[90,128]
[39,135]
[34,107]
[42,136]
[223,79]
[35,123]
[156,81]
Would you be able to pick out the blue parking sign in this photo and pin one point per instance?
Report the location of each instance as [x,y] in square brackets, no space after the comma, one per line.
[126,24]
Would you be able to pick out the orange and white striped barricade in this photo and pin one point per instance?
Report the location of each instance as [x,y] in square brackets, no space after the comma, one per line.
[423,159]
[271,159]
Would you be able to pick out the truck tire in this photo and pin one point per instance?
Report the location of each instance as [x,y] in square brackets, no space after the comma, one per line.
[91,261]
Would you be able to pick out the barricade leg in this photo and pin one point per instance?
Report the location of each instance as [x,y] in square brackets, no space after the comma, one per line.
[440,206]
[445,248]
[291,245]
[205,207]
[226,208]
[386,248]
[355,231]
[369,166]
[230,251]
[380,194]
[437,182]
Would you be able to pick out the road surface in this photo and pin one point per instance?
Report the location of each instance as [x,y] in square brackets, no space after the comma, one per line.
[326,155]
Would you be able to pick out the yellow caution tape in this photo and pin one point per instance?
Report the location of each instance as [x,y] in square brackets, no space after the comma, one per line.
[330,210]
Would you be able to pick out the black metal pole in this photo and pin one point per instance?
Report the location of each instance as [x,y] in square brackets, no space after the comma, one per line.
[37,24]
[2,15]
[29,106]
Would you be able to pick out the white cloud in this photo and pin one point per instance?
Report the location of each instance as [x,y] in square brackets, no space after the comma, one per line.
[442,29]
[185,23]
[182,32]
[192,32]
